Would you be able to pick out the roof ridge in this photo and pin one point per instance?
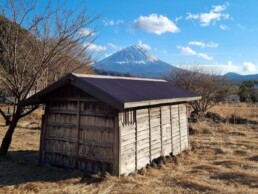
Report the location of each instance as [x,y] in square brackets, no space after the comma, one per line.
[117,77]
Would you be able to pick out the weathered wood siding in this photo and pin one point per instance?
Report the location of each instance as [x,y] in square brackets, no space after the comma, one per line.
[183,126]
[153,132]
[155,143]
[127,141]
[143,138]
[79,132]
[175,130]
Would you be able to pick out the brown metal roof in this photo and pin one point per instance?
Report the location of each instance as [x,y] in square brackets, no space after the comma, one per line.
[120,92]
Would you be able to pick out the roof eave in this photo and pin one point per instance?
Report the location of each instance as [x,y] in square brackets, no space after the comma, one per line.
[37,98]
[159,102]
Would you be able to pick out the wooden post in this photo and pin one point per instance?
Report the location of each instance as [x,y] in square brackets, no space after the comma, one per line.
[161,131]
[150,134]
[171,124]
[77,165]
[179,128]
[117,147]
[136,139]
[188,136]
[42,140]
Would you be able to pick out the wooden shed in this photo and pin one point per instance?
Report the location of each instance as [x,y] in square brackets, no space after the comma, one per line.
[116,124]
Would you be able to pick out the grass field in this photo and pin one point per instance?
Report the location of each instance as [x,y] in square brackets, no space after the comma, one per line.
[223,158]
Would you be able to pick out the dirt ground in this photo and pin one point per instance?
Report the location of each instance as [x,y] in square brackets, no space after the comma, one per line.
[223,158]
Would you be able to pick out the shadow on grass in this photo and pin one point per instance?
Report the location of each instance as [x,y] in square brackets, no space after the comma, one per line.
[240,178]
[20,167]
[195,186]
[254,158]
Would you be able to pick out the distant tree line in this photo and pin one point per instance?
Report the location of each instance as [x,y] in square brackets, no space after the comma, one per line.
[248,92]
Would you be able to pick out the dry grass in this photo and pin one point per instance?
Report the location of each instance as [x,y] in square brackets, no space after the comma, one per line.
[223,159]
[244,110]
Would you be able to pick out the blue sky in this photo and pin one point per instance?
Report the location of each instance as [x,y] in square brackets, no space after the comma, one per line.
[220,34]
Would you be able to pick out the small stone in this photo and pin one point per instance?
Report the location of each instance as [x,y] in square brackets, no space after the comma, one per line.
[169,159]
[142,171]
[154,165]
[105,175]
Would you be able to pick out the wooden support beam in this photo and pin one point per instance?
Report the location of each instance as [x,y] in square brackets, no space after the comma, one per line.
[136,139]
[179,126]
[119,148]
[77,165]
[84,113]
[150,139]
[171,124]
[116,147]
[161,131]
[42,139]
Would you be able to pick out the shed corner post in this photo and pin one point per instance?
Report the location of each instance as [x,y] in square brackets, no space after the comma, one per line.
[42,138]
[117,146]
[78,115]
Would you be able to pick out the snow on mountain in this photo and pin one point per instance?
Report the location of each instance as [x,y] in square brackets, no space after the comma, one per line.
[136,61]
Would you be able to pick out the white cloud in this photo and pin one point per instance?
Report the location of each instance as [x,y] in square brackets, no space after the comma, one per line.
[214,15]
[178,18]
[109,23]
[94,47]
[143,45]
[112,22]
[203,44]
[165,52]
[113,46]
[230,63]
[205,56]
[223,27]
[186,50]
[87,32]
[190,52]
[157,24]
[249,67]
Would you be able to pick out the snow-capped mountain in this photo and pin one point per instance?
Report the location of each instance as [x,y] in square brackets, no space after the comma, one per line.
[136,61]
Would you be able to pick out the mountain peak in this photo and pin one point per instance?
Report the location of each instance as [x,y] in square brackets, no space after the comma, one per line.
[131,54]
[134,60]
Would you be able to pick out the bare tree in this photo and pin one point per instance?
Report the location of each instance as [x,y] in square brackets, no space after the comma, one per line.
[38,44]
[207,83]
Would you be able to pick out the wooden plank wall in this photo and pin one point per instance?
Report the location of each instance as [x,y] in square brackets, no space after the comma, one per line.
[175,130]
[142,136]
[183,126]
[79,132]
[128,142]
[155,131]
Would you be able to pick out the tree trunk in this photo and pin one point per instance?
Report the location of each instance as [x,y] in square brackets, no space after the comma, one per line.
[6,117]
[8,136]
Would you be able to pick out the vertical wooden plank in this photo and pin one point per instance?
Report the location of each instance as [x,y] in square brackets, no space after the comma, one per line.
[150,134]
[136,139]
[155,132]
[161,131]
[188,136]
[42,139]
[117,147]
[179,126]
[171,125]
[78,135]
